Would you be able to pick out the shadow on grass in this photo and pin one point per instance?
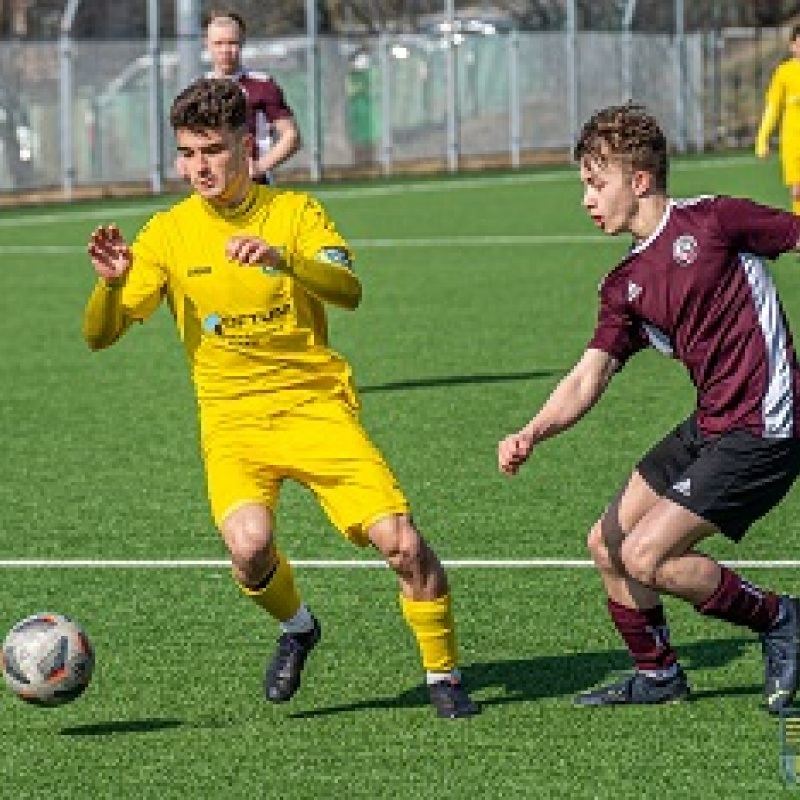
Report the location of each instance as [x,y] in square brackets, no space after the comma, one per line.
[457,380]
[122,726]
[557,675]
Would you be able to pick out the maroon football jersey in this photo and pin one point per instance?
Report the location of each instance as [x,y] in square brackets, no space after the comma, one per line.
[698,290]
[265,104]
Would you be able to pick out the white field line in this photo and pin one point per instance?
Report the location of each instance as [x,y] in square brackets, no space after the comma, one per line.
[444,241]
[475,563]
[356,192]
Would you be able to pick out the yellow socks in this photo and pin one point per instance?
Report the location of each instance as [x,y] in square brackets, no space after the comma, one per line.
[279,598]
[796,206]
[433,626]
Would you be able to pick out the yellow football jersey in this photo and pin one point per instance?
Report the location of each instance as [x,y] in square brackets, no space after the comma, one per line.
[783,97]
[250,333]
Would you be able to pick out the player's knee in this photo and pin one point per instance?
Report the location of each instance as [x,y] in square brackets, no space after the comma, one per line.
[640,562]
[250,546]
[598,545]
[399,543]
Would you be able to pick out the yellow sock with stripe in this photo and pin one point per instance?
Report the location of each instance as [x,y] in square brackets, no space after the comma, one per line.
[279,598]
[432,624]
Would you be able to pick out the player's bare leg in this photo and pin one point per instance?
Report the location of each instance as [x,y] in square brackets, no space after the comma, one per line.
[426,605]
[265,575]
[644,546]
[635,609]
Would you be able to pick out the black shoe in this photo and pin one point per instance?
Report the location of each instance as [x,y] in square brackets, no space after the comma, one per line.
[283,673]
[780,646]
[450,699]
[638,689]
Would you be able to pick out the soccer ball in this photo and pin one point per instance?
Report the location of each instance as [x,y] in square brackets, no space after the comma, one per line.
[47,659]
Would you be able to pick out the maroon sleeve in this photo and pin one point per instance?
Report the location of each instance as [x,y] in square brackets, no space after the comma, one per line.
[755,228]
[264,94]
[618,332]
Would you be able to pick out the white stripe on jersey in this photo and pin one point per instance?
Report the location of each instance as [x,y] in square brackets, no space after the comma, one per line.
[658,339]
[778,401]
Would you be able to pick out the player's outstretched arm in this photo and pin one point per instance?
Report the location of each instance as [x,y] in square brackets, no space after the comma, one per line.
[327,276]
[568,402]
[104,320]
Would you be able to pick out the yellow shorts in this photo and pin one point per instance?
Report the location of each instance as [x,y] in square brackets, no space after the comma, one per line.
[320,444]
[790,162]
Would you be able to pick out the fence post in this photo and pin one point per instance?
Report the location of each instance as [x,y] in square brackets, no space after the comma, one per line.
[452,88]
[386,103]
[313,79]
[514,96]
[572,70]
[65,97]
[155,95]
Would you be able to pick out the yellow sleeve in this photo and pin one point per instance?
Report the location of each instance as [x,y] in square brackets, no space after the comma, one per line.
[321,260]
[772,112]
[113,307]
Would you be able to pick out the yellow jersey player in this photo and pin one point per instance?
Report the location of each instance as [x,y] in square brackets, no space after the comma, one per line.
[783,100]
[246,271]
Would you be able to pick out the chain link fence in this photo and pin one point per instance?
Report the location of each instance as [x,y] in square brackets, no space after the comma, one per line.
[440,99]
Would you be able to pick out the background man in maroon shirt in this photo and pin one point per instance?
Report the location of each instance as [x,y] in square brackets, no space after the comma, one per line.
[269,119]
[694,286]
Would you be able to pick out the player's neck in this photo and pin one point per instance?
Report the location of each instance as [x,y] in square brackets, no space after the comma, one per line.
[229,201]
[649,216]
[233,74]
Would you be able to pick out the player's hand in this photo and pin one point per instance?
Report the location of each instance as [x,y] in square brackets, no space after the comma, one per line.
[252,251]
[513,451]
[109,253]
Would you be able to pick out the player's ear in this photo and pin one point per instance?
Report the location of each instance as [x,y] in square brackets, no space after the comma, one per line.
[642,182]
[248,142]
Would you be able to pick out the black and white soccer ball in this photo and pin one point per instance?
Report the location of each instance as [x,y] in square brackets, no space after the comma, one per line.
[47,659]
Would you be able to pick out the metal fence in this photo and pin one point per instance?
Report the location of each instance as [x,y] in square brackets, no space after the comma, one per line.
[391,102]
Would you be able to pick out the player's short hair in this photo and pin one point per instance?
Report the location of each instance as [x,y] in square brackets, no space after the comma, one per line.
[795,33]
[629,134]
[209,104]
[218,14]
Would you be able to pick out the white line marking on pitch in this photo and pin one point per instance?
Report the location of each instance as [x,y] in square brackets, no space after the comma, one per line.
[355,192]
[557,563]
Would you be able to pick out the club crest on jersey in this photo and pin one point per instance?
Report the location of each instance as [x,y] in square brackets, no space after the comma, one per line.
[684,250]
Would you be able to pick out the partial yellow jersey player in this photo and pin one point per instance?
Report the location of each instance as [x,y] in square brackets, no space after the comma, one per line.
[246,271]
[783,103]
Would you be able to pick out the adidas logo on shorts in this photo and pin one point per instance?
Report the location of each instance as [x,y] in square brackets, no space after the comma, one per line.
[683,487]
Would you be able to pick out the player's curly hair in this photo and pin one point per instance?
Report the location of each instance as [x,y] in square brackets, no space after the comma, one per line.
[626,133]
[209,103]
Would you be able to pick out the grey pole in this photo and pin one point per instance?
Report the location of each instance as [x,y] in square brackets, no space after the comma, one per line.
[65,97]
[572,69]
[312,76]
[187,26]
[452,89]
[156,93]
[681,74]
[386,103]
[515,99]
[627,69]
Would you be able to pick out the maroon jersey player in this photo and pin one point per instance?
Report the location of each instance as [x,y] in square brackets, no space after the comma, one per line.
[694,286]
[269,119]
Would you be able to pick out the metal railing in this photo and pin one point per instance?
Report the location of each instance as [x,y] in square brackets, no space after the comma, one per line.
[92,113]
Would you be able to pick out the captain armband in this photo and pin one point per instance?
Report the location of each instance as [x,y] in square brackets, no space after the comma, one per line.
[335,255]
